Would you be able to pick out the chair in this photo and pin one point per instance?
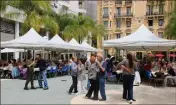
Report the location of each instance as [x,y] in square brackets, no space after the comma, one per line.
[65,69]
[159,79]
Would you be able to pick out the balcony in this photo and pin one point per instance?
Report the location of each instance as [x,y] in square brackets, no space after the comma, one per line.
[154,14]
[117,15]
[105,16]
[128,2]
[118,2]
[118,30]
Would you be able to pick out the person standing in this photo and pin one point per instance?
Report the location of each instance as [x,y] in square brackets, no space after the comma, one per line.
[42,65]
[30,74]
[81,76]
[93,70]
[74,74]
[102,76]
[128,66]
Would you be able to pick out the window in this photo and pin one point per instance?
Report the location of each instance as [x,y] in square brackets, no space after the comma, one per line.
[118,24]
[110,24]
[128,11]
[150,10]
[118,11]
[128,23]
[106,37]
[150,22]
[161,22]
[160,34]
[105,10]
[105,23]
[80,14]
[118,35]
[80,4]
[161,9]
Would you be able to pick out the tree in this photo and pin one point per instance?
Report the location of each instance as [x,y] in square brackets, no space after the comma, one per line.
[170,30]
[80,27]
[37,15]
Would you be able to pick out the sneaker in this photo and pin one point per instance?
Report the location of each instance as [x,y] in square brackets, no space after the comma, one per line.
[45,88]
[130,102]
[133,100]
[26,88]
[69,93]
[94,98]
[33,88]
[86,97]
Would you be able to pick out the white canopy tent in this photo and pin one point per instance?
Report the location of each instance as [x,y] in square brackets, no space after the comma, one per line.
[86,45]
[8,50]
[74,43]
[141,40]
[57,40]
[30,40]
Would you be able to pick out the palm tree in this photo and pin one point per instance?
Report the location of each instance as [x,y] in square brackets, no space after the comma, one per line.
[37,15]
[170,30]
[80,28]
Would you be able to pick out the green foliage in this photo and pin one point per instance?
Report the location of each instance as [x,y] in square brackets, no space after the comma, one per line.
[170,29]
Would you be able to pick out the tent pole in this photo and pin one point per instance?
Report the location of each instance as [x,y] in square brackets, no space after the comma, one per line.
[68,54]
[169,56]
[7,56]
[43,52]
[174,56]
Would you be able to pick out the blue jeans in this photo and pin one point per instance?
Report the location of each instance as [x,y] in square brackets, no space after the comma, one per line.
[42,76]
[88,84]
[102,88]
[128,87]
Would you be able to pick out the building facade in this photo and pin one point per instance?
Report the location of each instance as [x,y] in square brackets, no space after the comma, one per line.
[121,17]
[90,7]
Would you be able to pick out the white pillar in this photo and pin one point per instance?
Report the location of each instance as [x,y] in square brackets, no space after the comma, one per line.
[17,34]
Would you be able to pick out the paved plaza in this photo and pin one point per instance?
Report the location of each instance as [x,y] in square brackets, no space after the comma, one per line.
[12,93]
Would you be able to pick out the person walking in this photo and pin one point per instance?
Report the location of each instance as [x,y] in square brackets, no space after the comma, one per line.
[102,76]
[128,66]
[74,74]
[93,70]
[30,74]
[81,76]
[42,65]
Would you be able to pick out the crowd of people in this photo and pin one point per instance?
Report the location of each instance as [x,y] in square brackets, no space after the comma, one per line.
[98,70]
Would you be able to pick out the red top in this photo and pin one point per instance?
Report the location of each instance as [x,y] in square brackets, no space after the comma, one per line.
[147,67]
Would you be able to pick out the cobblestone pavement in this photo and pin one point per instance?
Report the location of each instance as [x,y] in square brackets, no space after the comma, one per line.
[12,93]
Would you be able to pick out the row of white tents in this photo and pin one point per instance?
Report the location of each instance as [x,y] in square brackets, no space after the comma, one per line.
[32,40]
[141,40]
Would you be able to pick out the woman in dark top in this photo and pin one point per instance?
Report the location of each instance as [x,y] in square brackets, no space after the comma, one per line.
[171,70]
[128,66]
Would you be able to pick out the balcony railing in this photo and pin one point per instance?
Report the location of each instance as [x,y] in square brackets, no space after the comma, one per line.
[118,2]
[117,15]
[154,14]
[128,2]
[105,16]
